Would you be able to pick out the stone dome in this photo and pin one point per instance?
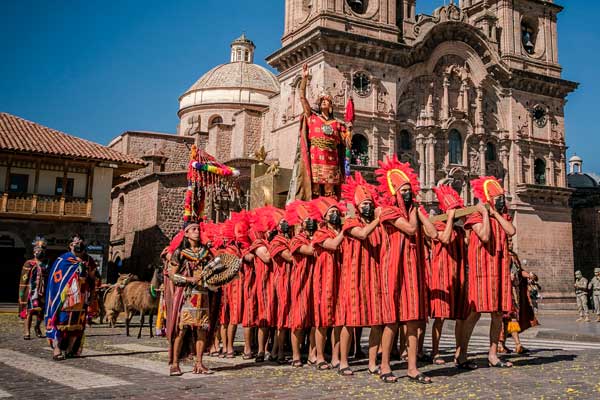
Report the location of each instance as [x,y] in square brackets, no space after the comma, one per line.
[239,81]
[575,158]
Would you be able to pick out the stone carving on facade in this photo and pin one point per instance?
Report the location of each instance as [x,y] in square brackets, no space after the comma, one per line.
[446,13]
[555,133]
[194,125]
[474,163]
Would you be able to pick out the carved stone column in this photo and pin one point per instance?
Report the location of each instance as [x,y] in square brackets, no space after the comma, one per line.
[531,175]
[465,97]
[479,113]
[482,148]
[445,98]
[550,170]
[419,141]
[431,141]
[504,160]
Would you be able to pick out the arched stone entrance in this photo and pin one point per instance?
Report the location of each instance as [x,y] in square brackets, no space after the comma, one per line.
[12,258]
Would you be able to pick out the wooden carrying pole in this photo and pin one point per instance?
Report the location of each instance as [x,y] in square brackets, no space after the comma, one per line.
[461,212]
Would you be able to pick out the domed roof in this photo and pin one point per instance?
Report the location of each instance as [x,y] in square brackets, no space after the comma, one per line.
[238,75]
[581,181]
[575,158]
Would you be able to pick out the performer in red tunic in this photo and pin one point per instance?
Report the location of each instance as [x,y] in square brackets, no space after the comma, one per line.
[402,248]
[281,256]
[322,142]
[447,278]
[236,230]
[232,293]
[301,312]
[263,269]
[490,288]
[327,242]
[360,290]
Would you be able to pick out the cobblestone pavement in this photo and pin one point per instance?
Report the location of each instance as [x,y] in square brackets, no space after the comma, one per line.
[116,366]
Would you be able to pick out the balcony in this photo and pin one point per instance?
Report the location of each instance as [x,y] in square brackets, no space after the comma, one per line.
[37,206]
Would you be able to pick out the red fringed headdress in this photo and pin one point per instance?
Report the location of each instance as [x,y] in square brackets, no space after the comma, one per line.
[393,174]
[486,187]
[448,198]
[272,216]
[236,228]
[356,190]
[203,171]
[297,211]
[320,206]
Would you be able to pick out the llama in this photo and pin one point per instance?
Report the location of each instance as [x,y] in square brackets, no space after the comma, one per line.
[112,299]
[142,297]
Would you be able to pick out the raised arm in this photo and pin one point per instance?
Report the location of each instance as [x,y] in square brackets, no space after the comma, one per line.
[365,231]
[446,234]
[428,226]
[482,230]
[508,227]
[407,227]
[263,253]
[287,256]
[333,244]
[303,83]
[307,250]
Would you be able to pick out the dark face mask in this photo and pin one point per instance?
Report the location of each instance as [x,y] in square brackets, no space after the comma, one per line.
[368,211]
[272,234]
[284,227]
[79,247]
[40,254]
[408,200]
[335,219]
[500,204]
[311,225]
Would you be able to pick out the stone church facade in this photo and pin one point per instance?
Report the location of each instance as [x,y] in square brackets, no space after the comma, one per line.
[473,89]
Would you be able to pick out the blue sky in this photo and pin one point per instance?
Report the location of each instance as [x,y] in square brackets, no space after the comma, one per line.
[97,68]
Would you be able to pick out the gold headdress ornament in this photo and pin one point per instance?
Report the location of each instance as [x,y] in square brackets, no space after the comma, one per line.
[392,174]
[486,187]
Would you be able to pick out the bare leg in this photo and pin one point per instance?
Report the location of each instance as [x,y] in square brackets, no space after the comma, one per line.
[345,340]
[231,329]
[27,326]
[421,336]
[358,353]
[320,338]
[200,368]
[412,344]
[312,349]
[335,346]
[436,335]
[374,342]
[297,338]
[464,329]
[263,334]
[387,341]
[247,341]
[495,328]
[402,346]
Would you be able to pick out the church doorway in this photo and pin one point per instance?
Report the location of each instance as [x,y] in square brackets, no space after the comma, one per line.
[12,258]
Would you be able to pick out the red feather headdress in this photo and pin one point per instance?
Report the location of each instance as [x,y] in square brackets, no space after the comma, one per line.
[297,211]
[320,206]
[393,174]
[486,187]
[236,228]
[448,198]
[356,190]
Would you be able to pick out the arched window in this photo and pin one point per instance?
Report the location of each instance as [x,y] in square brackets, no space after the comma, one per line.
[359,150]
[404,140]
[215,120]
[455,147]
[539,171]
[490,152]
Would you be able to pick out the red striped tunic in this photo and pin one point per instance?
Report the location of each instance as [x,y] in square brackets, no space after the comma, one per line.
[265,288]
[360,288]
[250,309]
[281,277]
[301,312]
[413,289]
[325,283]
[490,287]
[448,297]
[391,248]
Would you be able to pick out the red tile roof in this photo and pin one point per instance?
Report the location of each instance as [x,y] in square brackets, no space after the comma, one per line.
[18,134]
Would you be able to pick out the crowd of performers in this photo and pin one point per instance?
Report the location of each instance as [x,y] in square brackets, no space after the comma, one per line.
[323,269]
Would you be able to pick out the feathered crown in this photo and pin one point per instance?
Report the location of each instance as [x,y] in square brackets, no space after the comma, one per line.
[211,232]
[448,198]
[320,206]
[297,211]
[356,190]
[39,241]
[259,223]
[393,174]
[486,187]
[272,216]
